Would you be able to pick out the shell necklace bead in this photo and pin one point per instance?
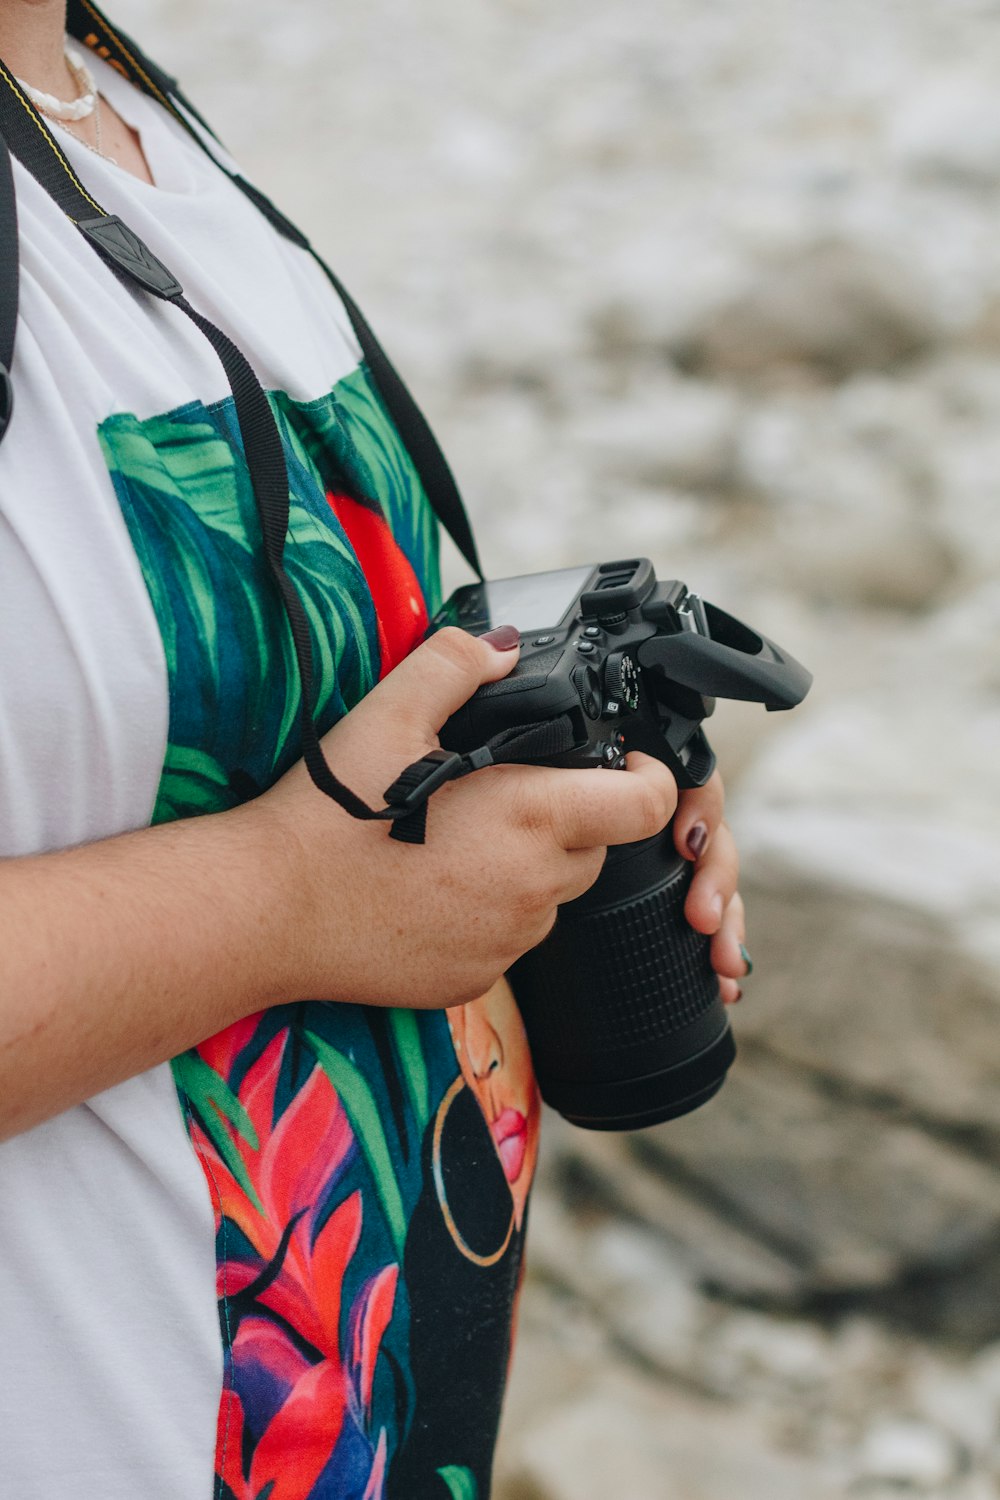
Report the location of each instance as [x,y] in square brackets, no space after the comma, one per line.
[74,109]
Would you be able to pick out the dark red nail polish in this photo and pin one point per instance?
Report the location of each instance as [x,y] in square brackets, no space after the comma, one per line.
[696,840]
[503,637]
[738,996]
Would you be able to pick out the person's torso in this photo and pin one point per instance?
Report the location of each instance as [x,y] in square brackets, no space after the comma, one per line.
[306,1213]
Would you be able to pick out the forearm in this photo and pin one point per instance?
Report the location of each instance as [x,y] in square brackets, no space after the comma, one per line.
[118,955]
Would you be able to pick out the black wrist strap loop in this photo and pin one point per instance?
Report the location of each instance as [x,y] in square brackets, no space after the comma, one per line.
[521,744]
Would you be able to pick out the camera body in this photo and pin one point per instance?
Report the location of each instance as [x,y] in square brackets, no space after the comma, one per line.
[620,1003]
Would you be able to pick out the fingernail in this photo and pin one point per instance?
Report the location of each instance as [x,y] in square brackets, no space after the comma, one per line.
[737,997]
[696,840]
[746,958]
[503,637]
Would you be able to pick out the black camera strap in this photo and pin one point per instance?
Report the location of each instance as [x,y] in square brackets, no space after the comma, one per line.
[9,278]
[25,135]
[87,24]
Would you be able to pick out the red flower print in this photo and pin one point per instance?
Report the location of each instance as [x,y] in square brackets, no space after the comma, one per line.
[297,1407]
[399,601]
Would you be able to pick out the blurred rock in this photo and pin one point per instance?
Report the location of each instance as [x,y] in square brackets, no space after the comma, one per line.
[908,1455]
[665,432]
[623,1440]
[949,127]
[888,812]
[960,1403]
[966,466]
[846,1199]
[832,307]
[599,1170]
[751,1351]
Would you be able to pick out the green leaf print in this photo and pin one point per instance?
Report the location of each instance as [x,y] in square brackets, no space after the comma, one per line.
[210,1095]
[352,440]
[363,1113]
[410,1052]
[191,783]
[188,500]
[461,1482]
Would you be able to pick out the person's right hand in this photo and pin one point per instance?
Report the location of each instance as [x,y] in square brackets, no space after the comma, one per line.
[378,921]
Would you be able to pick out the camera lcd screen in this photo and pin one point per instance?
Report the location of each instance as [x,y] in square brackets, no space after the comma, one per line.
[537,600]
[531,603]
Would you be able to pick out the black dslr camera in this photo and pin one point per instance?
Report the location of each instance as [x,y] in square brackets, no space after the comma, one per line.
[620,1002]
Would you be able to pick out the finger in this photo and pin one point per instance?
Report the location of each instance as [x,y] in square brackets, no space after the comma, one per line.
[699,813]
[585,865]
[730,991]
[714,883]
[580,868]
[729,943]
[438,678]
[590,809]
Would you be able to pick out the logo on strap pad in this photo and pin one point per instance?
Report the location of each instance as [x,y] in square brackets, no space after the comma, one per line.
[129,254]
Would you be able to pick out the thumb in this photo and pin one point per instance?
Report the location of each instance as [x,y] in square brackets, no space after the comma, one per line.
[442,674]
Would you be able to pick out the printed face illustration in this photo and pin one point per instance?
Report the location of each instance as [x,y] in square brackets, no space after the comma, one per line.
[493,1054]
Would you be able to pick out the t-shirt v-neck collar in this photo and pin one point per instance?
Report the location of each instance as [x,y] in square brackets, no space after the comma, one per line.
[171,166]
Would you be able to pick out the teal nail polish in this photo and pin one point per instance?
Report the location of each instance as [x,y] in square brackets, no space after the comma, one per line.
[746,959]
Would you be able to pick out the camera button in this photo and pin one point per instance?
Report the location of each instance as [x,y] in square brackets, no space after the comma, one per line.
[593,633]
[588,685]
[543,640]
[586,648]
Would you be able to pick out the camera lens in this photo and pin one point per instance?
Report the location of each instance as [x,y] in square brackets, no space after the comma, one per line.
[620,1003]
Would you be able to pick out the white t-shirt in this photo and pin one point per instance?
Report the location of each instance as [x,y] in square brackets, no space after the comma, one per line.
[270,1180]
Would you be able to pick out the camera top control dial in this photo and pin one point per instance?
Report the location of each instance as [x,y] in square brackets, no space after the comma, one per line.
[621,680]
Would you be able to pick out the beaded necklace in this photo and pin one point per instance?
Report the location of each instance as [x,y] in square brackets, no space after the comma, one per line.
[71,111]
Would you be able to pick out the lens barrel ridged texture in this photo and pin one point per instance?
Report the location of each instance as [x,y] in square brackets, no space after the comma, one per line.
[623,987]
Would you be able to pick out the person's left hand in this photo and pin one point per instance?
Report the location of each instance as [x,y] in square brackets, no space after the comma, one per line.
[714,906]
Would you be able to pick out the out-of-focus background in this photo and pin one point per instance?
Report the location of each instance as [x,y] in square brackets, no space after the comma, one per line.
[720,284]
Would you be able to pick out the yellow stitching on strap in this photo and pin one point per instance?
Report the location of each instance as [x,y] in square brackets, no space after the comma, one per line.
[50,141]
[99,21]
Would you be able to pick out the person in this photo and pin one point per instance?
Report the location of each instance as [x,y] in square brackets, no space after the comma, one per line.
[221,1198]
[492,1051]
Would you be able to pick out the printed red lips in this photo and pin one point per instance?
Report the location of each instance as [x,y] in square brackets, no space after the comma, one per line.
[510,1132]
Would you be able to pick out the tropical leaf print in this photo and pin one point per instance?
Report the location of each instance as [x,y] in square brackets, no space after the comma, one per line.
[412,1065]
[210,1098]
[461,1483]
[355,446]
[302,1357]
[312,1122]
[359,1101]
[187,498]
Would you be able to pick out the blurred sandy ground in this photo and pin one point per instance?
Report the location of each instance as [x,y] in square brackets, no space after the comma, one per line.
[720,284]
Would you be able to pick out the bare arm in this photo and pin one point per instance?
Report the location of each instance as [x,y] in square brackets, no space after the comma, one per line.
[119,955]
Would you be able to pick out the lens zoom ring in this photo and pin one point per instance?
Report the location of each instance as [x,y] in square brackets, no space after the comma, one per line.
[616,979]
